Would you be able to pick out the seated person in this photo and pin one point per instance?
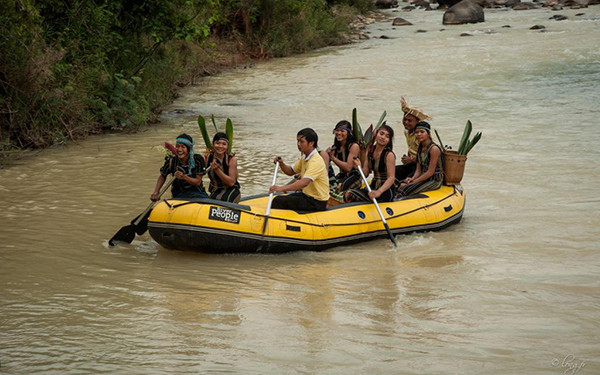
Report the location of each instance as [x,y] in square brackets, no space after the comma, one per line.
[187,169]
[411,117]
[382,161]
[429,174]
[223,171]
[312,177]
[342,154]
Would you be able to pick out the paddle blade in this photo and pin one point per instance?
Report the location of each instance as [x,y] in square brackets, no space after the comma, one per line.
[389,232]
[125,234]
[142,225]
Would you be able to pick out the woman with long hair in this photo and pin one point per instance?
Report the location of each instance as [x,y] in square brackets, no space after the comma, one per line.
[223,171]
[429,173]
[342,153]
[381,160]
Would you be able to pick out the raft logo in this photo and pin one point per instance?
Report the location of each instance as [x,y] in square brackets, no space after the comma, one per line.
[224,214]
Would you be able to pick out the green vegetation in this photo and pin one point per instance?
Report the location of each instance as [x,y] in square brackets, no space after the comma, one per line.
[71,68]
[466,144]
[366,139]
[207,140]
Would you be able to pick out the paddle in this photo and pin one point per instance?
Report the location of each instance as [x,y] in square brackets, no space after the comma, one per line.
[385,224]
[138,225]
[268,211]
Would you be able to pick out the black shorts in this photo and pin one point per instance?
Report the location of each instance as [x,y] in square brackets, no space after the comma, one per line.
[298,202]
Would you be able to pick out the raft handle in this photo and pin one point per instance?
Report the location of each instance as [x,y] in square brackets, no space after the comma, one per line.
[292,228]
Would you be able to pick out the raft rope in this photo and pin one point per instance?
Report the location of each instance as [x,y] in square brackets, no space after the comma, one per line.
[249,212]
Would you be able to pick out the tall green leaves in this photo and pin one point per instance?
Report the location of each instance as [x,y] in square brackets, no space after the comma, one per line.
[365,139]
[229,132]
[202,126]
[207,141]
[465,143]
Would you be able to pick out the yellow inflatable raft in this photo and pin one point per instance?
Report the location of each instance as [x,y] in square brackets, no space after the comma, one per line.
[211,226]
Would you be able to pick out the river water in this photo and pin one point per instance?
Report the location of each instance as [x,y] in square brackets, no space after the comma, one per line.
[512,289]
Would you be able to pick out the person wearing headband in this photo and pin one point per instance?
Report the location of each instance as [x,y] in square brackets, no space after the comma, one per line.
[429,173]
[223,171]
[382,161]
[342,153]
[186,167]
[412,116]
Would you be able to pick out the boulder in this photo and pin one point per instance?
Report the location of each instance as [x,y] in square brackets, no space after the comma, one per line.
[400,22]
[537,27]
[424,4]
[445,4]
[551,3]
[386,4]
[507,3]
[467,11]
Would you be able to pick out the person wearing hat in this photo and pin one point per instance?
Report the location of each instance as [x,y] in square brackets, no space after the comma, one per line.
[187,169]
[223,171]
[342,153]
[412,116]
[429,173]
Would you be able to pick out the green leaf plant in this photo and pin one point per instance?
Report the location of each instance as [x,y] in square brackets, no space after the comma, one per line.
[365,139]
[207,139]
[466,143]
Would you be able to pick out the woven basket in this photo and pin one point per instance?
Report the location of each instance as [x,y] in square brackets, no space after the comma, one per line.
[454,167]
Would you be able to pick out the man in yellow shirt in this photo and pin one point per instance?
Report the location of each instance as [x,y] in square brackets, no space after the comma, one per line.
[313,178]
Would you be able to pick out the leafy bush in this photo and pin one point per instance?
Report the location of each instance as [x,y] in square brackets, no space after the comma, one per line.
[68,68]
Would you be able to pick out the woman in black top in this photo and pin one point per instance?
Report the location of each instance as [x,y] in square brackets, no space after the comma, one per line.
[342,154]
[187,169]
[223,171]
[382,161]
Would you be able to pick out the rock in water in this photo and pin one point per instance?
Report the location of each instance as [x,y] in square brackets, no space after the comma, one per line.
[467,11]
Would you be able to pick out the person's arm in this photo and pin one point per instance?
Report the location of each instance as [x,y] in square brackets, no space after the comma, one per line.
[347,165]
[434,155]
[326,156]
[390,166]
[284,167]
[294,186]
[408,159]
[228,179]
[194,181]
[159,183]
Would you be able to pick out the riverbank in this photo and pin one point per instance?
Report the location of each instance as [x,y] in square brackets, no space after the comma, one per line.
[69,71]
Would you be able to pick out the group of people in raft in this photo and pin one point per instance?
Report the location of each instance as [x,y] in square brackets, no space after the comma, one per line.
[316,184]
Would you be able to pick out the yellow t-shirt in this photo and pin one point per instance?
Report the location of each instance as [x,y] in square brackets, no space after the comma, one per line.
[412,143]
[313,167]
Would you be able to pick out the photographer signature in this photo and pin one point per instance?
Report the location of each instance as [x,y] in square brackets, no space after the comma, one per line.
[569,363]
